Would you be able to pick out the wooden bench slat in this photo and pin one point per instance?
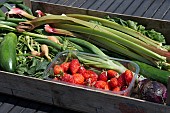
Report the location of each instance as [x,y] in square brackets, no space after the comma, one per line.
[96,5]
[114,6]
[132,8]
[123,6]
[105,5]
[88,3]
[143,7]
[153,8]
[162,10]
[79,3]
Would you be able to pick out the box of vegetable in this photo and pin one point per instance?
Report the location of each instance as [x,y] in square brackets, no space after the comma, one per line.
[31,37]
[93,71]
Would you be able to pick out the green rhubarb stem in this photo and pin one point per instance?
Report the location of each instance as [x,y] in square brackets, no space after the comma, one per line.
[88,45]
[160,51]
[114,37]
[8,23]
[7,6]
[53,19]
[116,47]
[12,19]
[6,27]
[117,26]
[2,14]
[109,45]
[98,30]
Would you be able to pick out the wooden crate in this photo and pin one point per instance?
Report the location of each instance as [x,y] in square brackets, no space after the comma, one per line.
[74,97]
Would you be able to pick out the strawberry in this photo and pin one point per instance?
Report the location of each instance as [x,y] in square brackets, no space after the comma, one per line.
[93,78]
[90,76]
[116,89]
[74,66]
[112,74]
[121,80]
[100,84]
[103,76]
[65,66]
[107,87]
[128,76]
[113,82]
[87,74]
[57,69]
[81,70]
[78,78]
[67,78]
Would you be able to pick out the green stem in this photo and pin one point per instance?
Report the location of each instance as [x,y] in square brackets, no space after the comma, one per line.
[117,26]
[2,14]
[133,46]
[17,20]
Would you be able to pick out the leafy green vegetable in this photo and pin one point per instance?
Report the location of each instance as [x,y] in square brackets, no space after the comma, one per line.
[32,67]
[134,25]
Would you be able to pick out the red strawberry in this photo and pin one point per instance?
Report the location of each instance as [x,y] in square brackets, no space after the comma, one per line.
[65,66]
[100,84]
[90,76]
[107,87]
[74,66]
[112,74]
[67,78]
[93,78]
[103,76]
[81,70]
[116,89]
[78,78]
[128,76]
[87,74]
[113,82]
[57,69]
[121,80]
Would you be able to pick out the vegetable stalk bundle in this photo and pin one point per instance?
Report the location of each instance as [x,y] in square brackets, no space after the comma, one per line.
[134,44]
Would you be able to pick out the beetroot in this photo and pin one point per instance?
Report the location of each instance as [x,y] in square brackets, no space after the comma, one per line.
[153,91]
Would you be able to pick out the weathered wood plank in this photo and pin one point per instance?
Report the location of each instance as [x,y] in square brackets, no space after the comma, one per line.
[153,8]
[20,106]
[123,6]
[143,7]
[167,15]
[3,98]
[105,5]
[33,96]
[31,108]
[53,1]
[5,90]
[8,105]
[79,3]
[162,10]
[61,1]
[132,8]
[88,3]
[114,6]
[69,2]
[96,4]
[99,102]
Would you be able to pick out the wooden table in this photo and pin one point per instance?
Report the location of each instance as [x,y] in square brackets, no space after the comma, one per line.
[159,9]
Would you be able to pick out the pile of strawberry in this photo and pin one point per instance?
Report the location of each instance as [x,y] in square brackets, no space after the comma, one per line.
[74,72]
